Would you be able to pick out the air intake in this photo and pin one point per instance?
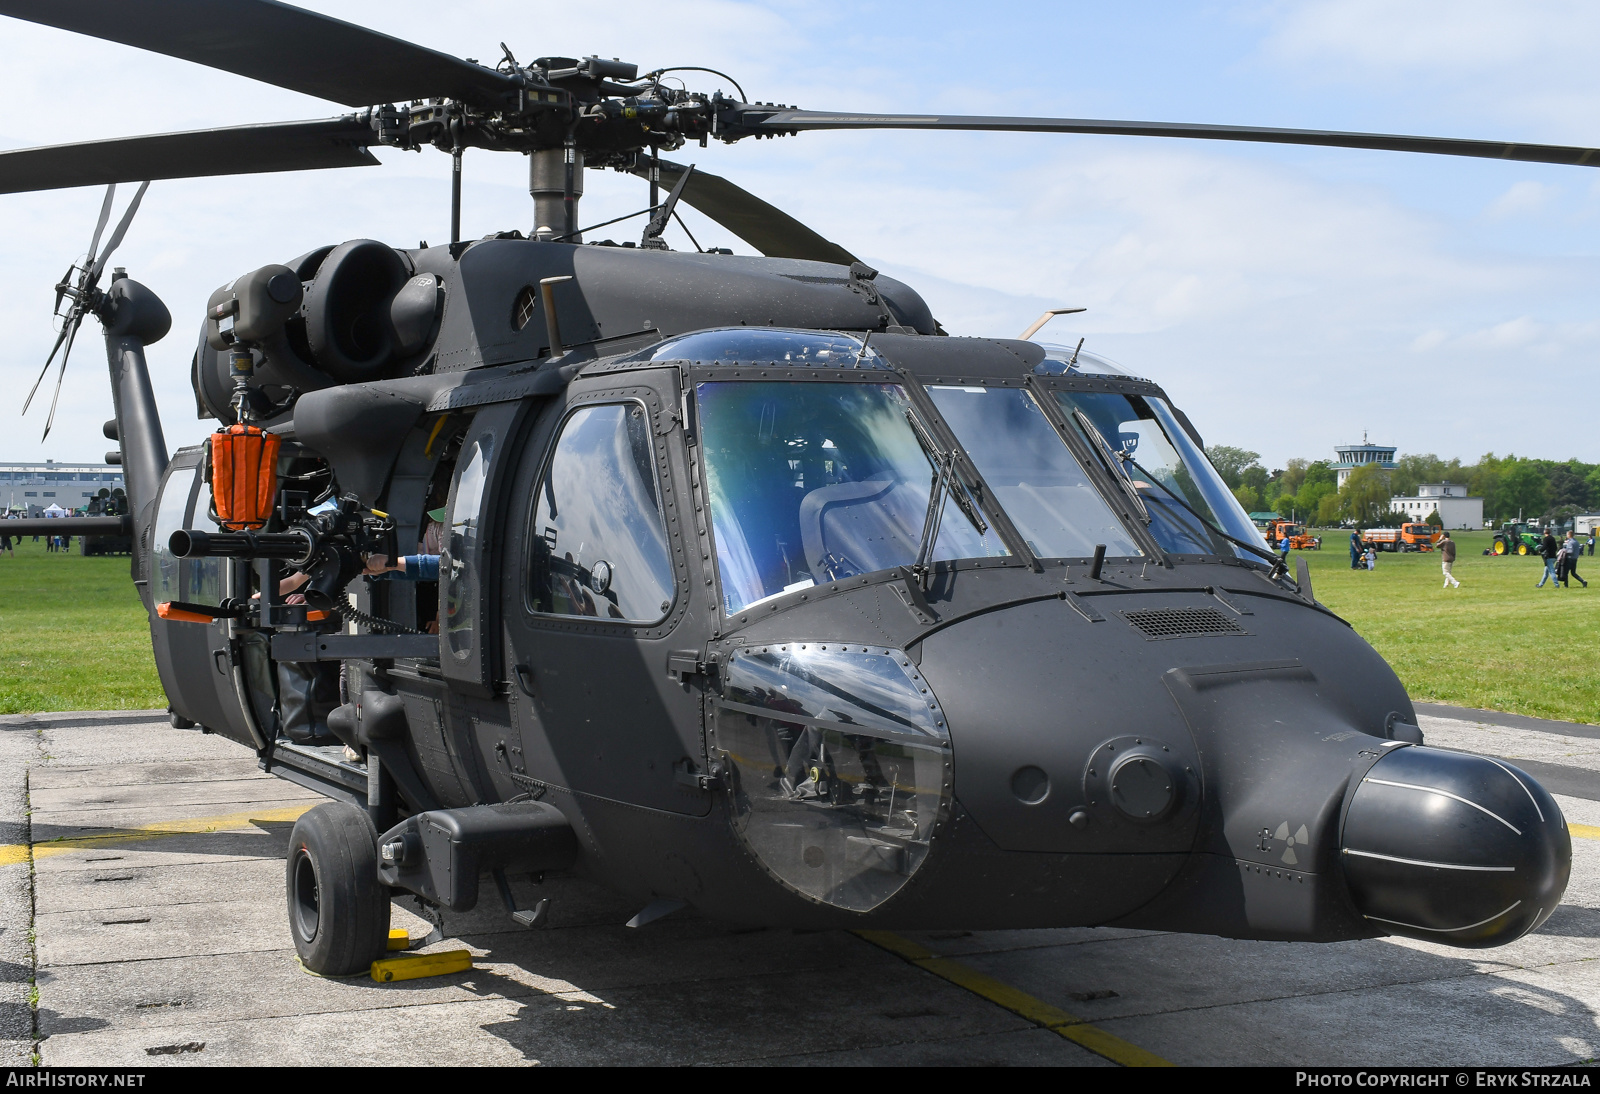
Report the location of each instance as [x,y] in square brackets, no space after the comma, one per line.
[1182,622]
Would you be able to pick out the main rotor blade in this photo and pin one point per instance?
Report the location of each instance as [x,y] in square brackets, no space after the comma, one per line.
[100,226]
[72,334]
[60,338]
[238,150]
[765,227]
[116,236]
[277,44]
[790,120]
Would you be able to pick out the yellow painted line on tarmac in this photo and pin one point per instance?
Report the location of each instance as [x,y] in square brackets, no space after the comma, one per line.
[13,853]
[1018,1002]
[1584,831]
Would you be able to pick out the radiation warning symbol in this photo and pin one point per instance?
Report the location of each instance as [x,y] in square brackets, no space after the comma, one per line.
[1300,837]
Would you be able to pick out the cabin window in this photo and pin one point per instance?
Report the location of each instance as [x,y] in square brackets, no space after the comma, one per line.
[204,583]
[599,544]
[174,508]
[466,519]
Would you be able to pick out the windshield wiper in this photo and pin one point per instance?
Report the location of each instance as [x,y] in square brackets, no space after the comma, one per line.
[1112,460]
[944,470]
[1277,563]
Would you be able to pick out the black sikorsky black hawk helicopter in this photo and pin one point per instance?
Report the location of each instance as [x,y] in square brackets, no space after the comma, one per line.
[755,592]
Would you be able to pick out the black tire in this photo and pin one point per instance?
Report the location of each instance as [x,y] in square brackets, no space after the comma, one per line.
[338,909]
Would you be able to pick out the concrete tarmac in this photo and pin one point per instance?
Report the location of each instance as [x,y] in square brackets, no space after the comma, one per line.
[141,894]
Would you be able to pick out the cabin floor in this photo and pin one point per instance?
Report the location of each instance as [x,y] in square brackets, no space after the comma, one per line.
[141,890]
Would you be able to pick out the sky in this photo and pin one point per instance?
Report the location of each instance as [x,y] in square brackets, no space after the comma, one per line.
[1289,299]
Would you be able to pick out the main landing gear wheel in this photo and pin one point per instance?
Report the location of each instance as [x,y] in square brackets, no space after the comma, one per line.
[338,909]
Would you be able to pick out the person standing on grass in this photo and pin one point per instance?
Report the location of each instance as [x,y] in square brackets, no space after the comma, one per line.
[1447,559]
[1591,544]
[1574,552]
[1355,550]
[1547,550]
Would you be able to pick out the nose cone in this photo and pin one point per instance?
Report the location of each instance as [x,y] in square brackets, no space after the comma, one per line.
[1453,848]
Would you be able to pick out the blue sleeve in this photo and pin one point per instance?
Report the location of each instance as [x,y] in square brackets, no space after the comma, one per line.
[422,567]
[417,568]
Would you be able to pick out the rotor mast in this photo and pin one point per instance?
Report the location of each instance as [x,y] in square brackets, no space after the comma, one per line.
[555,181]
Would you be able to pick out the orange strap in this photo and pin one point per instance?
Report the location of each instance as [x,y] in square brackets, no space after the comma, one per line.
[184,615]
[178,615]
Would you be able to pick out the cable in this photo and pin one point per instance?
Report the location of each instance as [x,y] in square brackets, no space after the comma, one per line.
[697,68]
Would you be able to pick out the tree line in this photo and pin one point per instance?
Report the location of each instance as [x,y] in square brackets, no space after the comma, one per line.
[1509,485]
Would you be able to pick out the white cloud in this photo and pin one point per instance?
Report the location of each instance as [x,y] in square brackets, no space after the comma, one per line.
[1282,303]
[1429,341]
[1521,199]
[1528,63]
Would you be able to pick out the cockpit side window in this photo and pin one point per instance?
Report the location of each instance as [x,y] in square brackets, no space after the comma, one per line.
[598,546]
[1188,503]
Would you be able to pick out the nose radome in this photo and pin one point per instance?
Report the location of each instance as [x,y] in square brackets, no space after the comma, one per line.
[1452,848]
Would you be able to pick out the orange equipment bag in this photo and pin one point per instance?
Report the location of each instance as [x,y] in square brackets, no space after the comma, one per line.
[244,476]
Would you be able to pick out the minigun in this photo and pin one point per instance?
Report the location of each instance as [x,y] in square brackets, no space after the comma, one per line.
[330,546]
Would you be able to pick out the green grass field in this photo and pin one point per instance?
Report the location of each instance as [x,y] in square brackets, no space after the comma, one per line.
[1497,642]
[73,636]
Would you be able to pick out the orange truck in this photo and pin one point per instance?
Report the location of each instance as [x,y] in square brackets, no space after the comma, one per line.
[1419,537]
[1298,539]
[1382,539]
[1407,537]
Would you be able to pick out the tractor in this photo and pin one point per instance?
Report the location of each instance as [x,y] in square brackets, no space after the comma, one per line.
[1516,538]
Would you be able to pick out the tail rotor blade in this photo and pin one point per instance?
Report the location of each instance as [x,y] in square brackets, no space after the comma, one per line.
[105,215]
[116,236]
[60,338]
[60,376]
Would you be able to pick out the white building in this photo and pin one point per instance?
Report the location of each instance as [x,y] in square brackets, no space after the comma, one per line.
[1448,499]
[32,487]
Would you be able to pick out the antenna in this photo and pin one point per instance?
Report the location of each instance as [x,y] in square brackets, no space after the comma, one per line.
[1045,318]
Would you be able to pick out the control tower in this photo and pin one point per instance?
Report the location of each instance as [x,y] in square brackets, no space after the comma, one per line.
[1352,456]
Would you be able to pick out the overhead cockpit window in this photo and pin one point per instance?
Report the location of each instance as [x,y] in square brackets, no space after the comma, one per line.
[767,344]
[1143,445]
[1033,474]
[1073,361]
[813,482]
[599,543]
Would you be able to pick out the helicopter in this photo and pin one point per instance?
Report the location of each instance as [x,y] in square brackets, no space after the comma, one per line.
[731,582]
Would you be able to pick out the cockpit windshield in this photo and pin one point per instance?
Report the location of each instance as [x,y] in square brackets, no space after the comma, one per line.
[811,482]
[1142,443]
[1033,474]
